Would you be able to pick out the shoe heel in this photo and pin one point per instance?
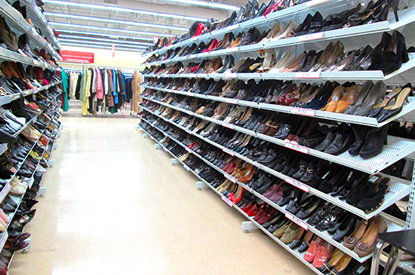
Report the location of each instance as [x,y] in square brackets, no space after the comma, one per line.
[395,5]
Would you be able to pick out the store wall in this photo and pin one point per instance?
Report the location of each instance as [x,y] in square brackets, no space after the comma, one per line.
[104,57]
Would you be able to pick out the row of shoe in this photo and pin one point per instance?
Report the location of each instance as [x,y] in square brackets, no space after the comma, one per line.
[357,140]
[351,186]
[371,13]
[17,79]
[358,235]
[388,56]
[369,99]
[10,41]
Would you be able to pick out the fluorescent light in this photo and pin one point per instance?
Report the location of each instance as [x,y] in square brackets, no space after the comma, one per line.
[114,21]
[72,36]
[114,8]
[106,34]
[207,4]
[99,47]
[109,29]
[102,43]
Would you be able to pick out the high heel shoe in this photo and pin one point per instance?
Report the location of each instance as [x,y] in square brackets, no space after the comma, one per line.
[391,111]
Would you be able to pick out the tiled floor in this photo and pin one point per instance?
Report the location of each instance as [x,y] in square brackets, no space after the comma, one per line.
[115,205]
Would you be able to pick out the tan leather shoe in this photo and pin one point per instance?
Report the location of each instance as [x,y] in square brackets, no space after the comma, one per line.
[290,233]
[367,243]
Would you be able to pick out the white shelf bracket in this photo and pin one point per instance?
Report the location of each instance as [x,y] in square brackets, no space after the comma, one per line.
[249,226]
[28,247]
[200,185]
[51,163]
[174,161]
[42,191]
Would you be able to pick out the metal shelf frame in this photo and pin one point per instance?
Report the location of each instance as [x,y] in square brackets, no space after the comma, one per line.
[398,190]
[397,148]
[324,235]
[17,22]
[367,121]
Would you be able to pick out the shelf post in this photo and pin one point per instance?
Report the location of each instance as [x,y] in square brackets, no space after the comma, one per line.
[410,222]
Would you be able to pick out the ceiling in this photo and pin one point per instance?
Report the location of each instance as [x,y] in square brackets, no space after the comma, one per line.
[129,24]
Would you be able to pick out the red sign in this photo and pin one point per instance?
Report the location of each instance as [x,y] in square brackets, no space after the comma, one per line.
[74,56]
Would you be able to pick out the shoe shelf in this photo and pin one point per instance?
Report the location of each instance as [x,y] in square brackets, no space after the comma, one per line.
[309,7]
[16,57]
[18,199]
[317,77]
[40,20]
[396,149]
[324,235]
[399,188]
[9,98]
[405,16]
[33,120]
[17,22]
[360,120]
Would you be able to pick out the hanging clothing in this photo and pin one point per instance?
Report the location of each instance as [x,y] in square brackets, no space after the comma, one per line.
[65,104]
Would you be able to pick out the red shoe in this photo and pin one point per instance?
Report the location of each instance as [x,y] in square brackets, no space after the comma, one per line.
[311,251]
[322,256]
[199,29]
[213,44]
[248,207]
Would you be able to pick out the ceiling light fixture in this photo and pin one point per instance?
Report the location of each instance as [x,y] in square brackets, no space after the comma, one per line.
[74,36]
[105,34]
[114,8]
[107,20]
[109,29]
[99,47]
[101,43]
[206,4]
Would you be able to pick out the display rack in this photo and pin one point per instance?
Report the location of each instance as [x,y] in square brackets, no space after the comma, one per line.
[19,24]
[352,38]
[40,20]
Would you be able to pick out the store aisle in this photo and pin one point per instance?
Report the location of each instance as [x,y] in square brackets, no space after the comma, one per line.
[115,205]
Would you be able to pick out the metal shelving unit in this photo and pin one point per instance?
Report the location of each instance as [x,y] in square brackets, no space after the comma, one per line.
[19,24]
[324,235]
[352,38]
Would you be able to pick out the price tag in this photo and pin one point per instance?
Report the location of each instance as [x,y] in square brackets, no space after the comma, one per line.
[227,125]
[231,50]
[231,75]
[165,149]
[193,38]
[188,131]
[229,177]
[189,150]
[4,239]
[373,179]
[296,147]
[186,167]
[35,90]
[308,75]
[228,202]
[296,220]
[4,192]
[316,2]
[187,111]
[232,101]
[228,151]
[190,94]
[230,28]
[312,36]
[304,112]
[298,184]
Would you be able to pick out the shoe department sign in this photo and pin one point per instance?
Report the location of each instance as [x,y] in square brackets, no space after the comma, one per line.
[75,56]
